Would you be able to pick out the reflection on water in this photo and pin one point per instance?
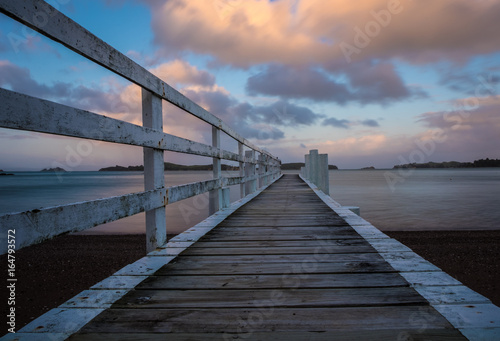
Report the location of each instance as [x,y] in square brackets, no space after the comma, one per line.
[441,199]
[32,190]
[425,199]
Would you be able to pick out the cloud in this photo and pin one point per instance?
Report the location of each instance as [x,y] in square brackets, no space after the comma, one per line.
[20,80]
[370,123]
[377,83]
[252,121]
[284,113]
[332,121]
[469,83]
[109,97]
[346,124]
[290,82]
[179,72]
[473,131]
[364,83]
[4,45]
[245,33]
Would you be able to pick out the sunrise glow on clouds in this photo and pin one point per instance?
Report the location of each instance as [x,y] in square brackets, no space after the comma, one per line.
[368,82]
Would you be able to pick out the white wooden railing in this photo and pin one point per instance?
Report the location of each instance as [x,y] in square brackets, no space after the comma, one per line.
[19,111]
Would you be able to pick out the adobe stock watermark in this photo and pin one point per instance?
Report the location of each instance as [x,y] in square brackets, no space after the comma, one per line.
[363,36]
[424,149]
[225,8]
[41,19]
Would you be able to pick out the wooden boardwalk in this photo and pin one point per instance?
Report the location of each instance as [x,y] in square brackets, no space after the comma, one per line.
[282,267]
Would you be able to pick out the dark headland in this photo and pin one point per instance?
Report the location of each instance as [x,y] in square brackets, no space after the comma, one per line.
[483,163]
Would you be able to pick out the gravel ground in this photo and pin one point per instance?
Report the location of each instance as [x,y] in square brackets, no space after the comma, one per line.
[472,257]
[50,273]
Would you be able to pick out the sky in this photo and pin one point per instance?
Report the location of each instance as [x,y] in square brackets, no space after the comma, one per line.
[369,82]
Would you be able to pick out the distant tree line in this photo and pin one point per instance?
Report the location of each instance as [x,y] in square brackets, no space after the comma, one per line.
[168,166]
[453,164]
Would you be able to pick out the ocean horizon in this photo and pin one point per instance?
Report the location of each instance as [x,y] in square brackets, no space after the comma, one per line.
[390,199]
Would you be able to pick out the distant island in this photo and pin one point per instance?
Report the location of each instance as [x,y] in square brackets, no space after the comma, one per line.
[175,167]
[3,173]
[452,164]
[56,169]
[368,168]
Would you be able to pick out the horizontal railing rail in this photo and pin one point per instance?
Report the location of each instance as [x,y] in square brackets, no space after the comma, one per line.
[23,112]
[76,38]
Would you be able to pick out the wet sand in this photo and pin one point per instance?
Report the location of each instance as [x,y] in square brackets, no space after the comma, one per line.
[52,272]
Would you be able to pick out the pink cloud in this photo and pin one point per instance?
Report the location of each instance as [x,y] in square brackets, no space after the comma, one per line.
[259,32]
[474,131]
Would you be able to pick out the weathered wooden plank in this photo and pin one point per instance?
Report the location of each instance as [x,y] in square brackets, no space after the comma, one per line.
[269,250]
[67,32]
[181,192]
[414,334]
[298,235]
[190,261]
[313,280]
[319,232]
[313,221]
[302,210]
[119,282]
[94,299]
[471,315]
[451,294]
[207,242]
[277,298]
[268,319]
[19,111]
[38,225]
[72,320]
[275,268]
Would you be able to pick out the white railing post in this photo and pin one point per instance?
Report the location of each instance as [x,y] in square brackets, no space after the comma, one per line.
[215,196]
[323,175]
[242,169]
[313,161]
[316,170]
[255,180]
[266,170]
[307,168]
[154,178]
[250,172]
[261,170]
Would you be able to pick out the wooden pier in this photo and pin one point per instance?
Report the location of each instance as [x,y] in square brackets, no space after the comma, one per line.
[285,262]
[282,267]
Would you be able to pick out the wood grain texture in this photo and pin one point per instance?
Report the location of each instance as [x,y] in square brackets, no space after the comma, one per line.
[414,334]
[263,319]
[264,274]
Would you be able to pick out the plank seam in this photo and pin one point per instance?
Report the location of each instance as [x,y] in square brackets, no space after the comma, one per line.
[473,320]
[72,315]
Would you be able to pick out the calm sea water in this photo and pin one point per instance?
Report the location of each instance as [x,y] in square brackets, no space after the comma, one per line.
[424,199]
[446,199]
[32,190]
